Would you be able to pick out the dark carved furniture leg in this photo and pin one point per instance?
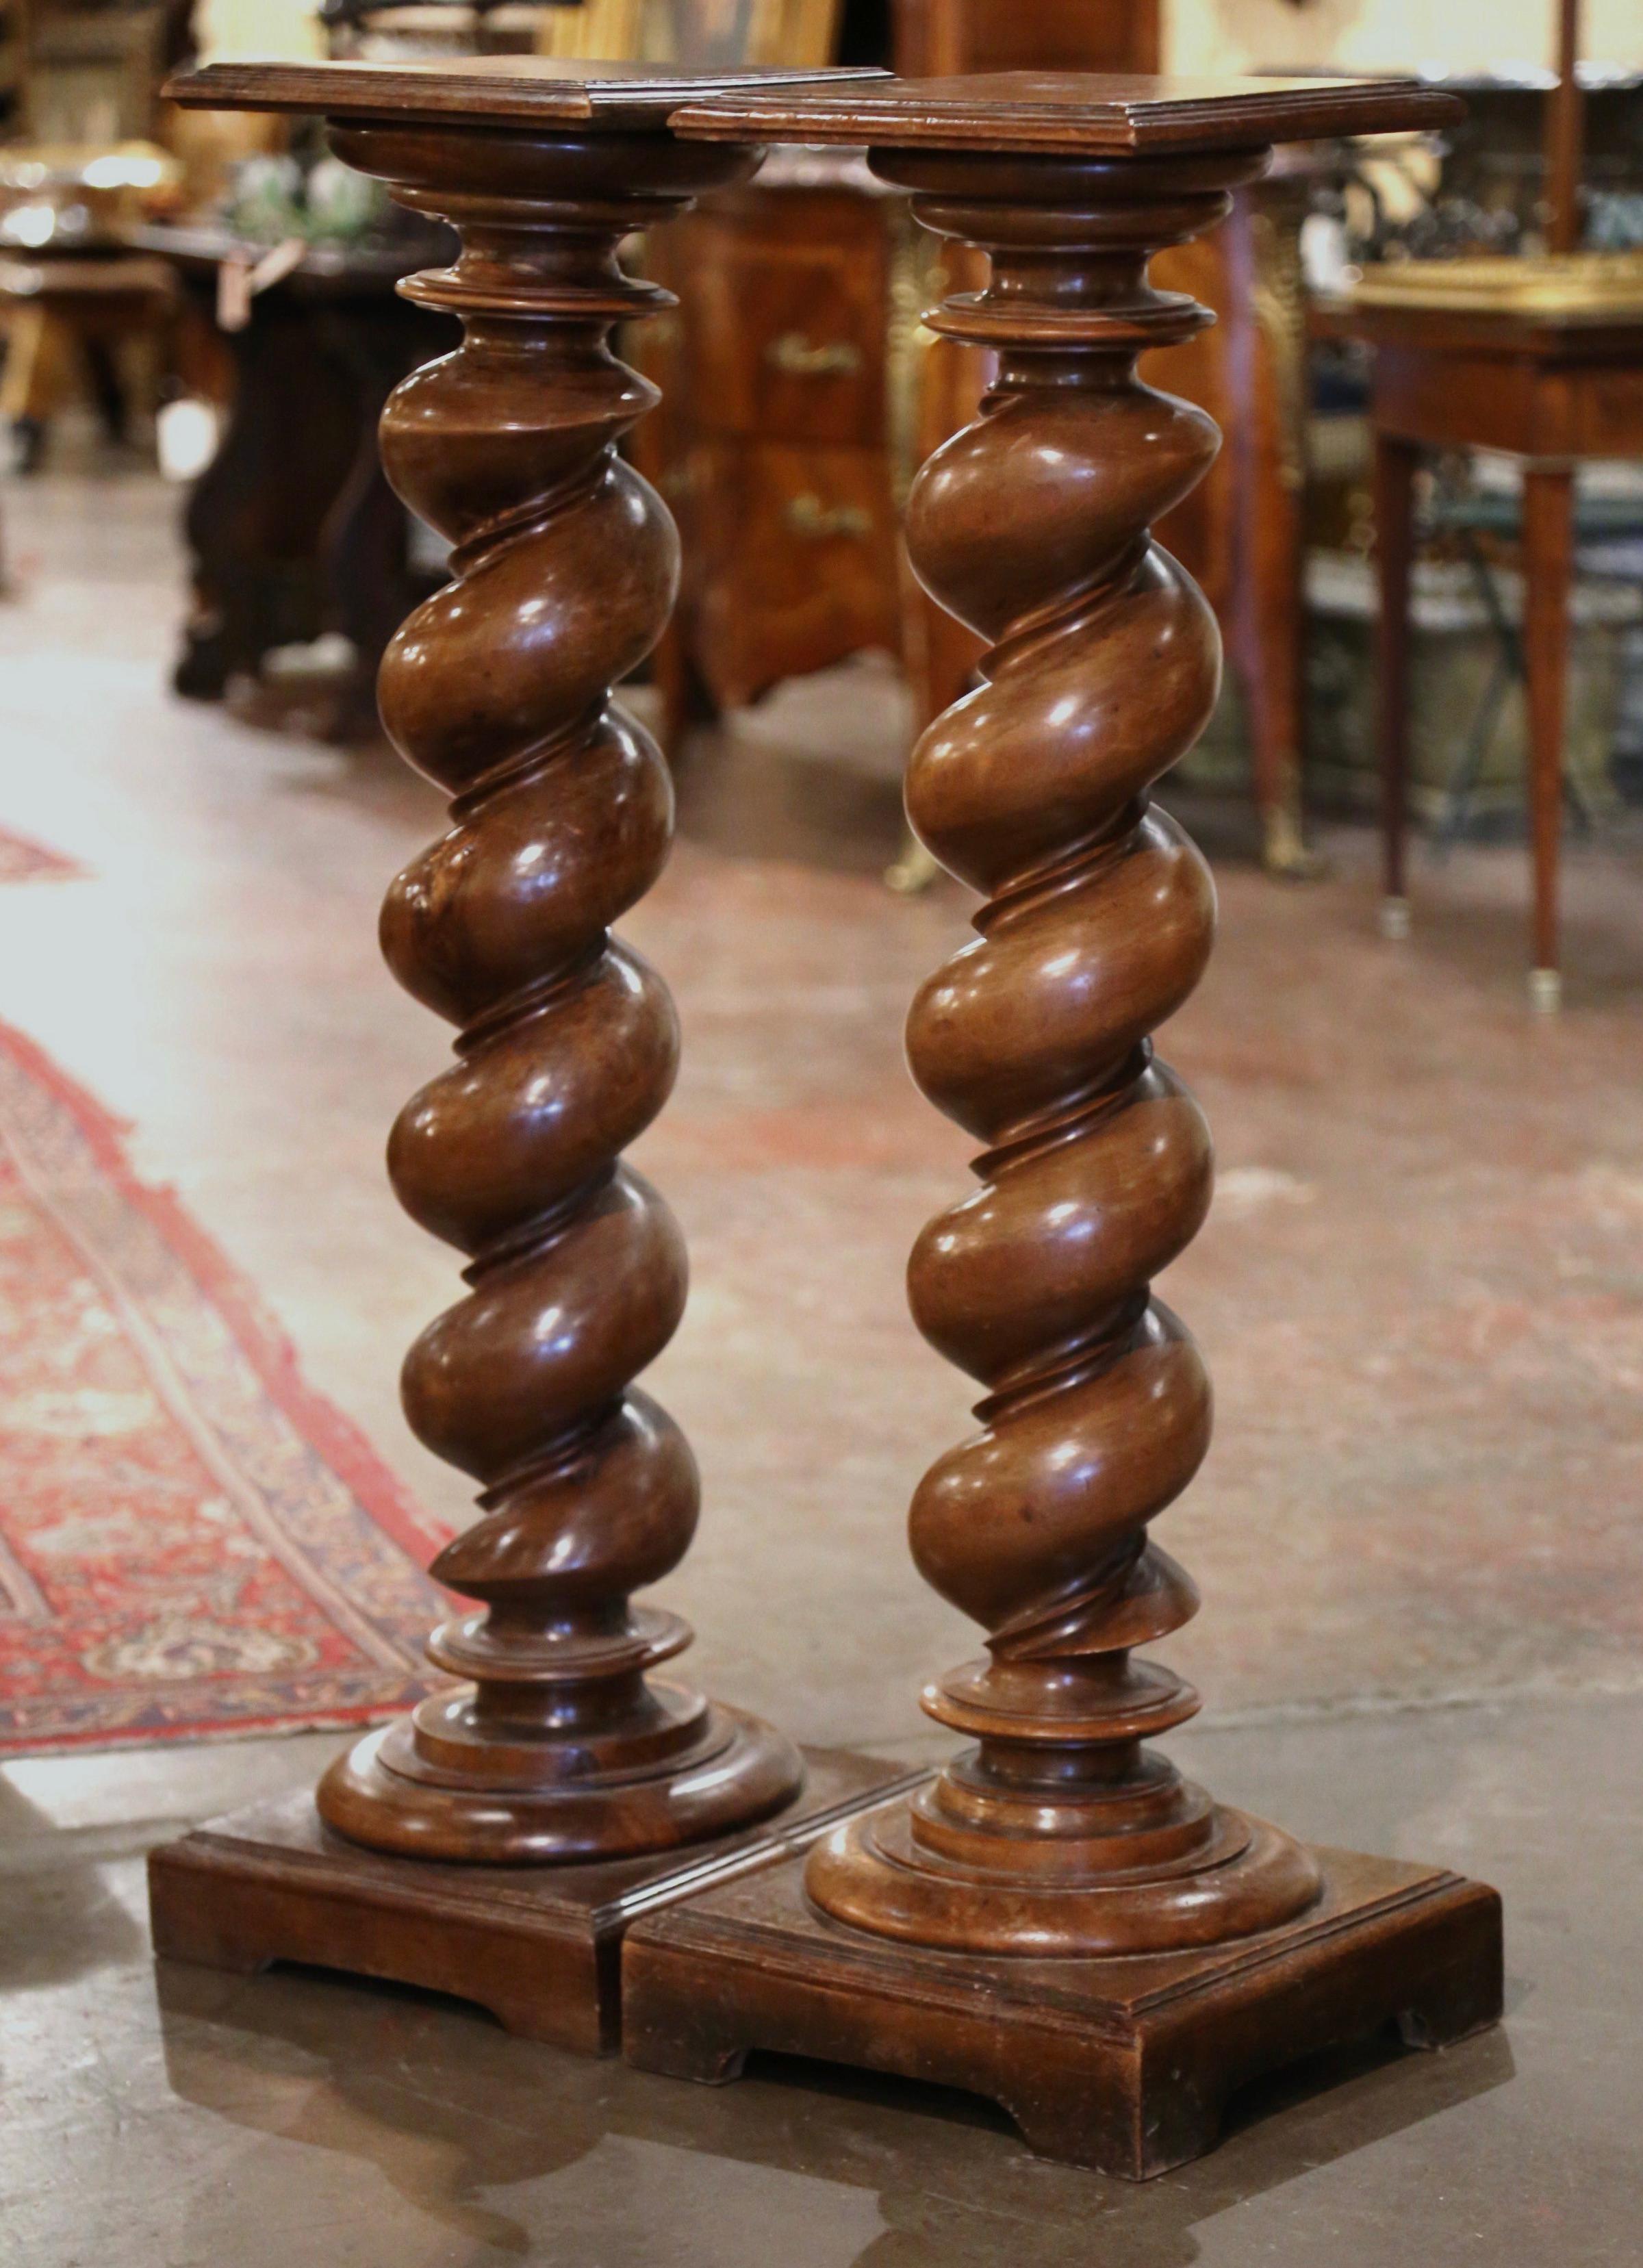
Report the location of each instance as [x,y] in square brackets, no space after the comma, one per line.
[371,580]
[254,518]
[1057,1918]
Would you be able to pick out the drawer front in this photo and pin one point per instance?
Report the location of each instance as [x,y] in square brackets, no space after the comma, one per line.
[791,561]
[784,309]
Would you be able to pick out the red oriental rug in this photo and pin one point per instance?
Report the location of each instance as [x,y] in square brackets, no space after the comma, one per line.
[193,1543]
[23,861]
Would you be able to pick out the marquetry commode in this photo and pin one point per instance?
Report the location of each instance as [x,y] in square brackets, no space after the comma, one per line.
[1056,1919]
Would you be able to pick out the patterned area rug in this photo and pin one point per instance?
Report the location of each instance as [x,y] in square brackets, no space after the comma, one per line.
[192,1542]
[23,861]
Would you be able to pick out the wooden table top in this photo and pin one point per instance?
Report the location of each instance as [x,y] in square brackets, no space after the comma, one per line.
[1077,113]
[1521,334]
[507,89]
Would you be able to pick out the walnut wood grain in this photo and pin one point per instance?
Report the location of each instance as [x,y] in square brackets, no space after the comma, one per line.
[564,568]
[458,91]
[539,1947]
[1081,114]
[938,38]
[1060,1832]
[1021,1892]
[1127,2066]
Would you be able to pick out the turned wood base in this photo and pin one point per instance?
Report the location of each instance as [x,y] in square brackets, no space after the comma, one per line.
[406,1791]
[1230,1877]
[1123,2064]
[538,1947]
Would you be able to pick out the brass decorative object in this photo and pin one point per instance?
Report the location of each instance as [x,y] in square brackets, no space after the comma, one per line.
[1575,286]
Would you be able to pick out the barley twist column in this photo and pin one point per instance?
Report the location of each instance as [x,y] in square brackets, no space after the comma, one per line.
[1174,1948]
[565,565]
[1060,1832]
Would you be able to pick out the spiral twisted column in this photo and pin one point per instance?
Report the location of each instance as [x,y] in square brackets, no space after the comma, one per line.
[565,566]
[1060,1832]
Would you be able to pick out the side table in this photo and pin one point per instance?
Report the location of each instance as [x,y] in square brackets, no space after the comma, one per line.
[1553,389]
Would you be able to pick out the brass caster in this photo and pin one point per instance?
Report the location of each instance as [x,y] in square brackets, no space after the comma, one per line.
[1545,990]
[1395,919]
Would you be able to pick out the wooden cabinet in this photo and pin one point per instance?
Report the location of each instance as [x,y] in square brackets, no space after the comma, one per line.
[934,38]
[773,443]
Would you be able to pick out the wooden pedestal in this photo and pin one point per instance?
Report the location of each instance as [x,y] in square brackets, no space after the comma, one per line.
[539,1947]
[1123,2064]
[1060,1919]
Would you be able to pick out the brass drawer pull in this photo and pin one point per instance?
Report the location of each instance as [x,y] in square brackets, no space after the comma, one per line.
[808,515]
[794,357]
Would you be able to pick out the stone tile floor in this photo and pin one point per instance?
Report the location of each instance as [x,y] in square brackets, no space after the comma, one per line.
[177,2118]
[1418,1536]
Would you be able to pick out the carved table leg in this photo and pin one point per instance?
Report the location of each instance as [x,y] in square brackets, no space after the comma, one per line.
[1548,569]
[1059,1918]
[559,1747]
[1394,465]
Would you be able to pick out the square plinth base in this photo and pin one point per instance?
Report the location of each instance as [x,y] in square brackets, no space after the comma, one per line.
[538,1945]
[1123,2064]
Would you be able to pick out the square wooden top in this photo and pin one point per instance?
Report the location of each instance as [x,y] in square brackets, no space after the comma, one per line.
[480,90]
[1075,114]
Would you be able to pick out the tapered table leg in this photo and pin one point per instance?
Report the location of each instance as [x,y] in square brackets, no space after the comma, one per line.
[1547,570]
[1394,463]
[1058,1918]
[557,1748]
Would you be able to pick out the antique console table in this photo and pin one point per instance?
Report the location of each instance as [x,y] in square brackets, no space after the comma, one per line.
[1059,1920]
[1546,362]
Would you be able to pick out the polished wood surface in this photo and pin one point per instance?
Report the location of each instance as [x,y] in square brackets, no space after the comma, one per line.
[1240,535]
[563,571]
[1081,114]
[936,39]
[1551,389]
[1126,2066]
[801,393]
[458,91]
[539,1947]
[774,441]
[557,1745]
[1059,1836]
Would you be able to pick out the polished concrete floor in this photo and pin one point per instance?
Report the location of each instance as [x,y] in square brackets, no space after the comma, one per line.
[1421,1294]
